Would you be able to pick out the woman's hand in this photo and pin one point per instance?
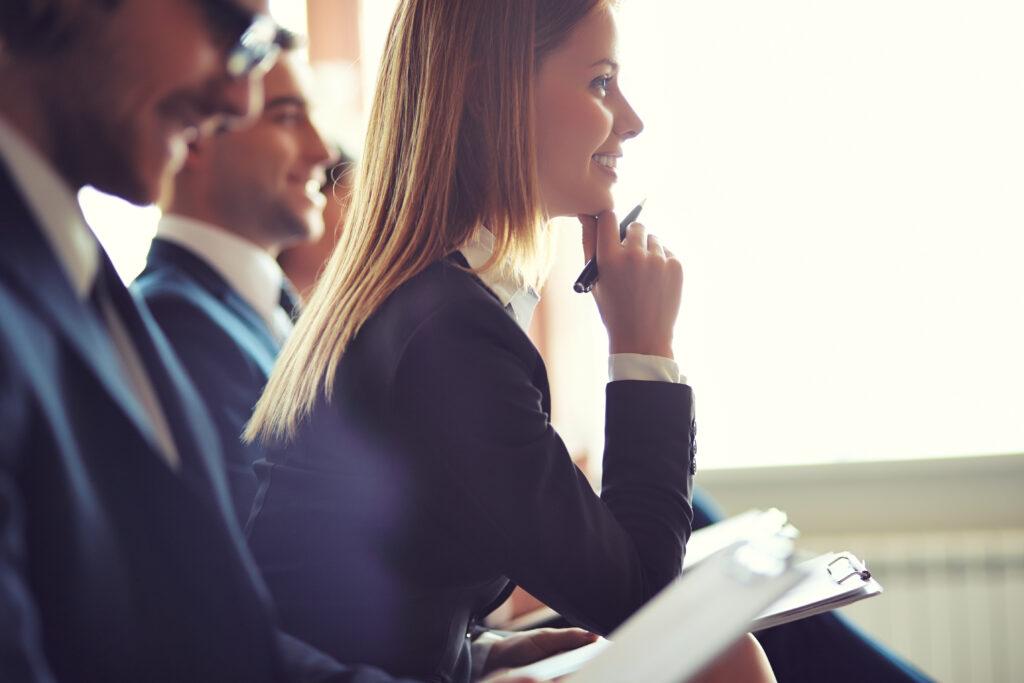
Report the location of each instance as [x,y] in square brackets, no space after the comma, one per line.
[639,288]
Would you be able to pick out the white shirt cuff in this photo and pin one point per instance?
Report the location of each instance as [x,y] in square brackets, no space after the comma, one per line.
[637,366]
[480,649]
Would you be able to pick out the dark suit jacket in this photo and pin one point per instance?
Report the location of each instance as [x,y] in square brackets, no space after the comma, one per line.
[433,477]
[224,344]
[113,567]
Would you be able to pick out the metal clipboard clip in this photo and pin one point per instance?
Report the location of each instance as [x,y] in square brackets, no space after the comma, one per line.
[851,568]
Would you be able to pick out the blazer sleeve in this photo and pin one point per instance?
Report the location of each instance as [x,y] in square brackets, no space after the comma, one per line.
[21,648]
[466,392]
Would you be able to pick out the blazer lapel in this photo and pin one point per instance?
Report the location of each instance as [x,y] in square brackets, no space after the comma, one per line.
[193,437]
[32,268]
[268,346]
[167,254]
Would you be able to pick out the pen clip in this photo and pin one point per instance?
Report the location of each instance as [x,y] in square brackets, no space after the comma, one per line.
[630,217]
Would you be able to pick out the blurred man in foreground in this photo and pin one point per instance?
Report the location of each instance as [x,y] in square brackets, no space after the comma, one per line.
[120,559]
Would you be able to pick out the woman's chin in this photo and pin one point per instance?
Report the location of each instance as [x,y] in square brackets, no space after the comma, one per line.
[591,205]
[599,206]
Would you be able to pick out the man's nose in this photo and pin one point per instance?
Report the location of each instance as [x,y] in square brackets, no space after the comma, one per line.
[316,148]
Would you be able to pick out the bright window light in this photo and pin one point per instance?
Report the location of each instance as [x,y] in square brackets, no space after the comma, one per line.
[124,230]
[844,184]
[292,14]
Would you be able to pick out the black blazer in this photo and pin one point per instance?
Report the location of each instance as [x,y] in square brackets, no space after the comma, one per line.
[112,566]
[224,344]
[433,478]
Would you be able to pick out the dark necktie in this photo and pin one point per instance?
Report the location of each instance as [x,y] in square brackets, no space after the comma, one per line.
[131,366]
[290,300]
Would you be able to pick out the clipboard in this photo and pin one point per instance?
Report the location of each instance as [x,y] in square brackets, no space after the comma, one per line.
[693,620]
[834,580]
[703,543]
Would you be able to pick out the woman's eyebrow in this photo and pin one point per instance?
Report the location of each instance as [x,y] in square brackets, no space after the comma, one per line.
[610,62]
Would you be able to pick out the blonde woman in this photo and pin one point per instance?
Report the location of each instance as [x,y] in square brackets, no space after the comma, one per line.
[414,475]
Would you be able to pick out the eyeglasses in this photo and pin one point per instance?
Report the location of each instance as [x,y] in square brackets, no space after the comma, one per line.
[258,47]
[256,39]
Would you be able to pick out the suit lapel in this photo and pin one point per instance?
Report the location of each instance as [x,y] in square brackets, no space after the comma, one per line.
[33,270]
[172,390]
[269,347]
[164,254]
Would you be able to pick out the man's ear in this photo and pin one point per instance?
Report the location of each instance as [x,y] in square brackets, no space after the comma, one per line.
[196,153]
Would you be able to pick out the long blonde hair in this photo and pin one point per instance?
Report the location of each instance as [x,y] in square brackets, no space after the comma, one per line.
[449,146]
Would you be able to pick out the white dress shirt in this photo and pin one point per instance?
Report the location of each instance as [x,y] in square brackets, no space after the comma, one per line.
[523,300]
[249,270]
[56,209]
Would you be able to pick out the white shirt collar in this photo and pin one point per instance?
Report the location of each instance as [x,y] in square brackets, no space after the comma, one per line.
[248,269]
[510,292]
[55,207]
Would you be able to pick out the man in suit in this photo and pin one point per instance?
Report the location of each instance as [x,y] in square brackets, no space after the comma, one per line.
[211,280]
[120,559]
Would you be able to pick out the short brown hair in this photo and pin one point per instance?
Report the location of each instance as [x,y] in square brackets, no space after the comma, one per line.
[42,27]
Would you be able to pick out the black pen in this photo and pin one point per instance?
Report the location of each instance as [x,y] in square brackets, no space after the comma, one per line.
[585,282]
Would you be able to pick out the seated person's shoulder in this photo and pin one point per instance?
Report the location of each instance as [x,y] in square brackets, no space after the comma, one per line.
[443,315]
[444,293]
[166,286]
[179,305]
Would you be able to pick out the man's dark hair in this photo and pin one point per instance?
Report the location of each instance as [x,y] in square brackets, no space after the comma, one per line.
[42,27]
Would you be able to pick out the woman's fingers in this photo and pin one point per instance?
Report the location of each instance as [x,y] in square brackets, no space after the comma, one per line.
[654,246]
[607,235]
[636,237]
[589,225]
[638,294]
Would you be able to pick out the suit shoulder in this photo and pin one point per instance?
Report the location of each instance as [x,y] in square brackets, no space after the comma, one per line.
[438,311]
[443,288]
[168,284]
[447,315]
[443,301]
[174,297]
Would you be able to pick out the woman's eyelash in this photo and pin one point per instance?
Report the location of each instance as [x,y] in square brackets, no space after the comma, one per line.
[601,82]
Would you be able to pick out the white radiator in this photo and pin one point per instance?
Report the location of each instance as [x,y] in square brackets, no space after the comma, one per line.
[953,602]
